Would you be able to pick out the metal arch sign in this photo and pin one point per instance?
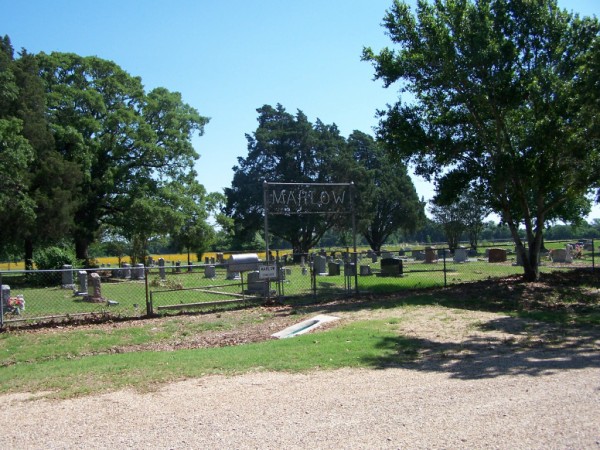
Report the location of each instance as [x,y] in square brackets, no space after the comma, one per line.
[308,198]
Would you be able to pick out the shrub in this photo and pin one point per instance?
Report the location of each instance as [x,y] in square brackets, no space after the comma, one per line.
[52,258]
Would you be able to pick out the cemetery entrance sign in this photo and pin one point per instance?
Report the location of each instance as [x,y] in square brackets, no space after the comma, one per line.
[308,198]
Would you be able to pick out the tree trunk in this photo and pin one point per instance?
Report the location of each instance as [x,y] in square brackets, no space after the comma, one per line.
[531,267]
[81,251]
[529,256]
[28,254]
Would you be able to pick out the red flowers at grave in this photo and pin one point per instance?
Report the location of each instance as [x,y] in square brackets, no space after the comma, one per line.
[16,302]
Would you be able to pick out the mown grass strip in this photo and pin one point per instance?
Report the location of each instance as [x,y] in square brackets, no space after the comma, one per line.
[360,344]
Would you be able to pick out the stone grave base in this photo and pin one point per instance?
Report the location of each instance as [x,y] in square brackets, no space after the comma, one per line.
[92,299]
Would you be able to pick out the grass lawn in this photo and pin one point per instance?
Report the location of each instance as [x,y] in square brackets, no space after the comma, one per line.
[142,354]
[128,298]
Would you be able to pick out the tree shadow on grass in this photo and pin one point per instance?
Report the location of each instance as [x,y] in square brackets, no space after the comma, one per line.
[567,298]
[521,351]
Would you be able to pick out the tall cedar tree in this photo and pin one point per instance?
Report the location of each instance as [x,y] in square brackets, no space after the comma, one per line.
[386,200]
[286,149]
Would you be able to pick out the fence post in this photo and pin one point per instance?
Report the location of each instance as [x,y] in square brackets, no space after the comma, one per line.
[148,296]
[444,258]
[279,278]
[356,268]
[1,305]
[313,278]
[593,256]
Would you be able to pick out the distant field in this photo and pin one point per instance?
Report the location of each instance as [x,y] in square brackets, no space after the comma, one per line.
[113,261]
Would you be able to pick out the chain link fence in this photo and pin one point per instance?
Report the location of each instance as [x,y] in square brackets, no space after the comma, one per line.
[236,281]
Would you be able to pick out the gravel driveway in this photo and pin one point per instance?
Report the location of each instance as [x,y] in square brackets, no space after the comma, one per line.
[391,408]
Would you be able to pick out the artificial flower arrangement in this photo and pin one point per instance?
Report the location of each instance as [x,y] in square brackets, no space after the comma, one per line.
[16,304]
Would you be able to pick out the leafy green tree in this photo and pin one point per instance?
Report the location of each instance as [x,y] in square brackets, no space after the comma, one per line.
[128,145]
[450,218]
[194,235]
[429,232]
[386,196]
[465,216]
[474,214]
[223,224]
[493,231]
[505,98]
[285,148]
[21,121]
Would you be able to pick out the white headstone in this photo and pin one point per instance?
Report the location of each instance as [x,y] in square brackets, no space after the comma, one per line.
[460,255]
[82,277]
[67,277]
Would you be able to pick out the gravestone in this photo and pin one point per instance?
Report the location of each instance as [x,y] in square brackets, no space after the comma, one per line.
[386,255]
[206,260]
[391,267]
[334,268]
[67,277]
[365,270]
[233,275]
[178,267]
[569,257]
[497,255]
[126,270]
[349,269]
[162,273]
[5,293]
[562,255]
[282,273]
[320,265]
[256,286]
[430,255]
[82,277]
[418,255]
[210,272]
[96,286]
[460,255]
[137,273]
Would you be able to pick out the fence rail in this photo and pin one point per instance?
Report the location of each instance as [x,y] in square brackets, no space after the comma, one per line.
[39,297]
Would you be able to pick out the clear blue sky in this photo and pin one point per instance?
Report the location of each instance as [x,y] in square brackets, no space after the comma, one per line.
[228,58]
